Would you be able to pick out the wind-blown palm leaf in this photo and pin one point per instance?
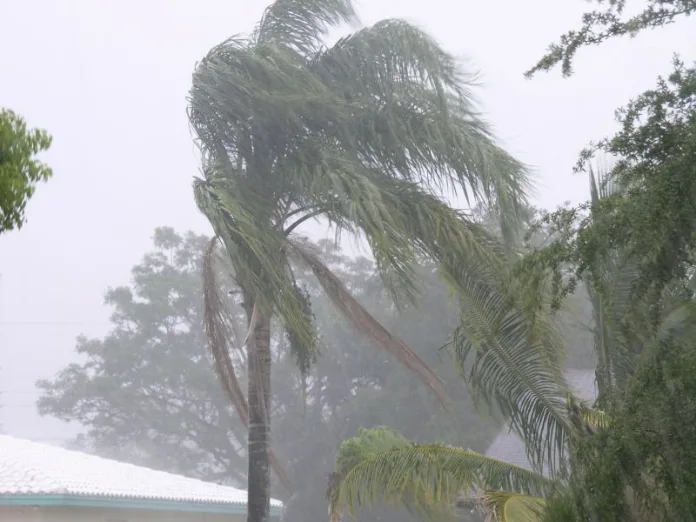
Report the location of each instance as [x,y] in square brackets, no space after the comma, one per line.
[364,322]
[219,331]
[255,251]
[430,477]
[586,420]
[505,506]
[516,364]
[413,116]
[220,334]
[399,220]
[300,25]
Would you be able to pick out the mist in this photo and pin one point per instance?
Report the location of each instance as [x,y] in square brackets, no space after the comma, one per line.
[101,319]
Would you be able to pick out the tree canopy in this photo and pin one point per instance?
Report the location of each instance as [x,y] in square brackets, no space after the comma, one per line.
[20,170]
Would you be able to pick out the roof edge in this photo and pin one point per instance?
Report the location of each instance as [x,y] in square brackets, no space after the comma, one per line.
[127,503]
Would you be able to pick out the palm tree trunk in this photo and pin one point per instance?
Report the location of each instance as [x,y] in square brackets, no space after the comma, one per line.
[259,476]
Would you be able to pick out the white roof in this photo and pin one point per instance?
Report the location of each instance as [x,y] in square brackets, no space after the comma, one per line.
[32,468]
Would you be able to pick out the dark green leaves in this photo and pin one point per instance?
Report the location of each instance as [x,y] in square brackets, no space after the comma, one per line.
[20,171]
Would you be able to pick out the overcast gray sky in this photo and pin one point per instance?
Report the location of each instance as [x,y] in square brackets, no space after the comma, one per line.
[109,80]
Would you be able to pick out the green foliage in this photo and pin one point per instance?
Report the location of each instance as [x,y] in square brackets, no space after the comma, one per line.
[381,465]
[305,354]
[20,171]
[650,443]
[609,22]
[650,221]
[292,130]
[368,444]
[147,393]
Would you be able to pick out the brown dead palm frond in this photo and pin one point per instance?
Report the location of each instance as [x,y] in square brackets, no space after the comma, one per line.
[218,329]
[364,322]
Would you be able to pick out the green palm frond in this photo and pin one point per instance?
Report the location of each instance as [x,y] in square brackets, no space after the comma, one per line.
[517,363]
[399,219]
[429,477]
[300,25]
[414,117]
[505,506]
[586,420]
[256,253]
[598,419]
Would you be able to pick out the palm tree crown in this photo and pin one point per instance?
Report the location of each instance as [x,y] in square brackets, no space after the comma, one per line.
[362,134]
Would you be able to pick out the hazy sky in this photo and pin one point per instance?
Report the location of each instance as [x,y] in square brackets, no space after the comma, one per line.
[109,80]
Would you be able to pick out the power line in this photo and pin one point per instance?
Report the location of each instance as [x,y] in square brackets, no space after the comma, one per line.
[53,323]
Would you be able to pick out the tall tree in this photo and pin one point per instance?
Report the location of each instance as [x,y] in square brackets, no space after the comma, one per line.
[363,134]
[20,171]
[146,392]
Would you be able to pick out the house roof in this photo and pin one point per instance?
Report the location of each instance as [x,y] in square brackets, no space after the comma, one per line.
[31,469]
[509,447]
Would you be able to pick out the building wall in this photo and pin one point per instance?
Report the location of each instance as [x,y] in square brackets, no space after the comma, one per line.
[67,514]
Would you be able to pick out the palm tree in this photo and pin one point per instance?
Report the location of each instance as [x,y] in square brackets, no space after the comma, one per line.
[366,134]
[380,465]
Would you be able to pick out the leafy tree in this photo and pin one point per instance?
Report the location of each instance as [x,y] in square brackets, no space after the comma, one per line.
[650,220]
[600,25]
[364,134]
[20,171]
[650,443]
[146,393]
[435,477]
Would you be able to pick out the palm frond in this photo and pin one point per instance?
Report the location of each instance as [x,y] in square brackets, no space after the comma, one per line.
[399,219]
[611,295]
[598,419]
[519,358]
[505,506]
[586,420]
[414,116]
[300,25]
[364,322]
[219,331]
[427,477]
[256,252]
[517,363]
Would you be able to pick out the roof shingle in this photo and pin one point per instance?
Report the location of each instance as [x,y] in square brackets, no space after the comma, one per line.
[32,468]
